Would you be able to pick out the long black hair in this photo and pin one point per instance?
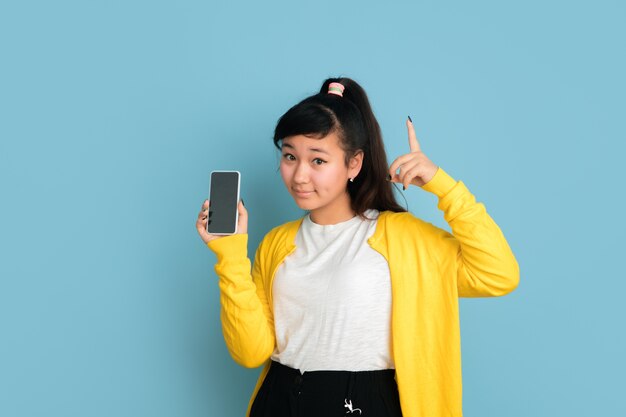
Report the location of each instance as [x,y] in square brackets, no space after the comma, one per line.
[352,118]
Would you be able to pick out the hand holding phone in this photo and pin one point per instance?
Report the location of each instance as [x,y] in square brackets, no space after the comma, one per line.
[223,214]
[224,198]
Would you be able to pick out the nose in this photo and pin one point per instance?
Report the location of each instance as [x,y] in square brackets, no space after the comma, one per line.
[301,175]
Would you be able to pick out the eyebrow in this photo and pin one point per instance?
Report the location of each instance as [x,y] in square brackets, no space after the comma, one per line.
[286,145]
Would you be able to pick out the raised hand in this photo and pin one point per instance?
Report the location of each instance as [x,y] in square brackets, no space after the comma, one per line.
[414,167]
[203,218]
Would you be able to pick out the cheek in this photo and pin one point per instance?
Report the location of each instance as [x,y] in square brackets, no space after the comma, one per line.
[331,179]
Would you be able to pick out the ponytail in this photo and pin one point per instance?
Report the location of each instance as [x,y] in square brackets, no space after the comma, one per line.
[351,116]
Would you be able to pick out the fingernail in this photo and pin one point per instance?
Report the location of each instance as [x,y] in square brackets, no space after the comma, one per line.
[388,177]
[410,119]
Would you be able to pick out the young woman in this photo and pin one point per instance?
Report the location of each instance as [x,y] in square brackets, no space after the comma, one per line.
[353,309]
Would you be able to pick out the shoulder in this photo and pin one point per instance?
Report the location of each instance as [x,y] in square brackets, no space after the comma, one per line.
[280,236]
[400,220]
[283,230]
[404,232]
[406,222]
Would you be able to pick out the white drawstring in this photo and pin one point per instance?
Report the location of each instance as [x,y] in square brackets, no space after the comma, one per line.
[348,405]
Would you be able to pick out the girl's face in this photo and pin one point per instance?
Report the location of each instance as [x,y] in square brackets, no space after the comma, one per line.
[315,174]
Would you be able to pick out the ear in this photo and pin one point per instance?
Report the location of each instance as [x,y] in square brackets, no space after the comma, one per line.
[355,164]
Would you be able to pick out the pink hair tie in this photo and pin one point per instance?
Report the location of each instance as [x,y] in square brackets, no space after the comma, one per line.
[336,88]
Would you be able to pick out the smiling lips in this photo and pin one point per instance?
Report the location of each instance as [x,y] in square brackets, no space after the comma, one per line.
[302,193]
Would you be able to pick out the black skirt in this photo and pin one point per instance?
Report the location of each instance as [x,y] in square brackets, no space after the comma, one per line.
[286,392]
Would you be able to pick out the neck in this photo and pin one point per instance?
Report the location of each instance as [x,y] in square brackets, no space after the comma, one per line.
[338,212]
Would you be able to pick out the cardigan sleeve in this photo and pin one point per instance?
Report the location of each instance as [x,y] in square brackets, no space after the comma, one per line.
[485,264]
[246,319]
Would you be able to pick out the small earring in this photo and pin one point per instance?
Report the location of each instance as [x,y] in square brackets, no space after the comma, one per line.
[351,179]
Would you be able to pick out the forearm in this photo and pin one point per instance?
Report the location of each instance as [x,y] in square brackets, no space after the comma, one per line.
[245,325]
[485,263]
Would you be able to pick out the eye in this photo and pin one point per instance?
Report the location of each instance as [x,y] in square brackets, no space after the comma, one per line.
[289,157]
[318,161]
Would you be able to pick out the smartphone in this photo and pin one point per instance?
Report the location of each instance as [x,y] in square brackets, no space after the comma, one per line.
[223,200]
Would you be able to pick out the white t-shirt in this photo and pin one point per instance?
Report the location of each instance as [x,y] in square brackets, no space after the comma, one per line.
[332,300]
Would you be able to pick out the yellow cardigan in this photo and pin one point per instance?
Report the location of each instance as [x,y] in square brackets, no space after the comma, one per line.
[429,267]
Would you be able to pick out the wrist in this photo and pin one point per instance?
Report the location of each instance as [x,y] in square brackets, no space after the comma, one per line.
[440,184]
[229,246]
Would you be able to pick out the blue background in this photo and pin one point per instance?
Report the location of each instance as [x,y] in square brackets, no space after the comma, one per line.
[113,113]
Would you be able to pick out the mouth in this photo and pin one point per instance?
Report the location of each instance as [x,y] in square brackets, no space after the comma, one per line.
[302,193]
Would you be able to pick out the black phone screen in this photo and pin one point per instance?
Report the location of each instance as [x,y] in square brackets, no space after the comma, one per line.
[223,200]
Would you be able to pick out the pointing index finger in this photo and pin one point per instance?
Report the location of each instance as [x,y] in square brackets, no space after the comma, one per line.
[413,143]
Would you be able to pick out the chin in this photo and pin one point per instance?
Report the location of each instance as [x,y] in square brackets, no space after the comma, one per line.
[305,204]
